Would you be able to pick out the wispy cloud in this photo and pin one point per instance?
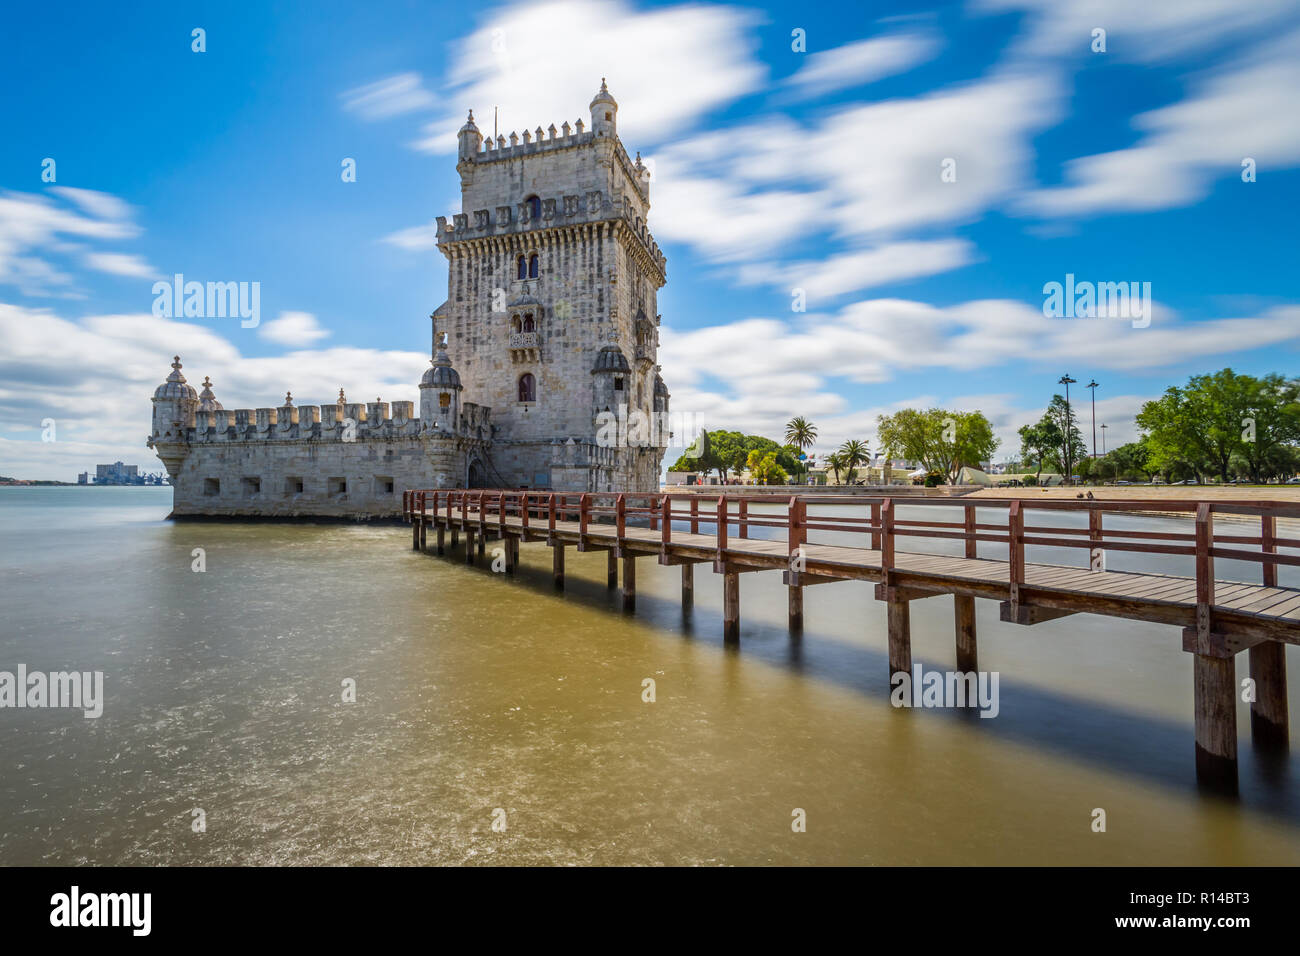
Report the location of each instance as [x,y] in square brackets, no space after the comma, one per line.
[392,96]
[293,328]
[865,61]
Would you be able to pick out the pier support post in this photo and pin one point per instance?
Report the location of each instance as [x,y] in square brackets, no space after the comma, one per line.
[482,542]
[441,536]
[611,569]
[796,609]
[512,553]
[899,619]
[424,535]
[688,586]
[557,566]
[629,582]
[469,546]
[731,606]
[964,611]
[455,537]
[1216,722]
[415,534]
[1268,713]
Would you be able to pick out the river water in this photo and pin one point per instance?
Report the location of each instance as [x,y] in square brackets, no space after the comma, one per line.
[478,693]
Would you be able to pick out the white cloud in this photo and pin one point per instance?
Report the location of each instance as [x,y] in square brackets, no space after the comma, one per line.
[391,96]
[541,63]
[293,328]
[1246,110]
[1143,32]
[30,224]
[120,264]
[98,204]
[414,238]
[862,62]
[95,376]
[860,269]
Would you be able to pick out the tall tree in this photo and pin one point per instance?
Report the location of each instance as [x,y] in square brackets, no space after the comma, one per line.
[854,453]
[801,433]
[941,440]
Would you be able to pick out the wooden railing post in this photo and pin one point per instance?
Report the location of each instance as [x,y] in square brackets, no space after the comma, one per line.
[620,518]
[527,508]
[1204,571]
[722,527]
[1096,554]
[695,514]
[875,520]
[666,521]
[1268,544]
[550,513]
[887,542]
[796,513]
[653,507]
[501,514]
[971,543]
[742,518]
[584,514]
[1016,546]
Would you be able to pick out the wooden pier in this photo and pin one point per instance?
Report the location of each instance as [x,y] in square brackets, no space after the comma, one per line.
[1218,618]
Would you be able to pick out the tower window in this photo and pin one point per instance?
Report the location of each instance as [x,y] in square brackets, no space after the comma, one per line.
[608,116]
[527,387]
[534,207]
[521,268]
[618,383]
[528,322]
[532,266]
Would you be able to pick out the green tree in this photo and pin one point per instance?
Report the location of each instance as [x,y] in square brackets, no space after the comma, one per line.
[766,471]
[941,440]
[854,453]
[800,433]
[835,462]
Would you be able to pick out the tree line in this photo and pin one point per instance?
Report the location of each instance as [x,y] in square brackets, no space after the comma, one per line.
[1221,424]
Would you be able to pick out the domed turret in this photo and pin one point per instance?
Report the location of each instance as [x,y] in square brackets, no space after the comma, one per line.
[610,359]
[469,139]
[604,112]
[609,380]
[175,388]
[440,390]
[207,401]
[174,404]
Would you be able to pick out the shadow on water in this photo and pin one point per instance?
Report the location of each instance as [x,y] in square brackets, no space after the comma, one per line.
[1157,750]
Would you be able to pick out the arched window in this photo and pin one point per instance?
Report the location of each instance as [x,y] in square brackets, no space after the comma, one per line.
[534,207]
[514,324]
[521,268]
[532,266]
[528,322]
[527,387]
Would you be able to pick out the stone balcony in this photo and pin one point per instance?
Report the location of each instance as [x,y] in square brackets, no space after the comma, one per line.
[525,346]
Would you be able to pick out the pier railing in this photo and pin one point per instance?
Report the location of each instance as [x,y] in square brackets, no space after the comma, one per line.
[873,523]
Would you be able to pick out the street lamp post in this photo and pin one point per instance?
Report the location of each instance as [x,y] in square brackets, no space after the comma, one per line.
[1093,386]
[1069,444]
[1104,426]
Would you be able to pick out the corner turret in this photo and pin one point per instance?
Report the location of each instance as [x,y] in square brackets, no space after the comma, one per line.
[604,113]
[469,139]
[440,393]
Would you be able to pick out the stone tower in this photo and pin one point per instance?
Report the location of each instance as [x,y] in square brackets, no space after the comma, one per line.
[552,284]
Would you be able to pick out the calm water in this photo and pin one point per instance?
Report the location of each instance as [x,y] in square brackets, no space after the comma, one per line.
[477,692]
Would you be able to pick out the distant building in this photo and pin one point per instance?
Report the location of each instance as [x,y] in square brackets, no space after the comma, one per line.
[117,474]
[83,478]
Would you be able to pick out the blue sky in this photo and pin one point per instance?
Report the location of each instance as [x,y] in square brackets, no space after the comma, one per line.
[772,169]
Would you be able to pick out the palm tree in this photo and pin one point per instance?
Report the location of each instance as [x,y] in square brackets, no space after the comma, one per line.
[835,462]
[854,453]
[801,432]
